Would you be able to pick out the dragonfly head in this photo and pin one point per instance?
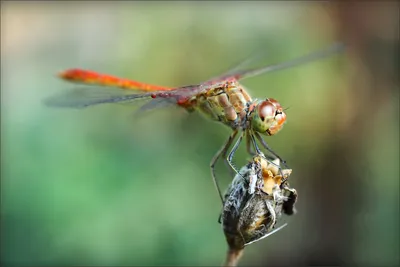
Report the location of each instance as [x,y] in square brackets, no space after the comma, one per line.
[268,117]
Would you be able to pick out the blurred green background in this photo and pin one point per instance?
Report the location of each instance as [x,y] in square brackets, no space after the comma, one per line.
[101,187]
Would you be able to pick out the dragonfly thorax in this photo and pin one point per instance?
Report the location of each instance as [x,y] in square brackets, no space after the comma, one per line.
[228,104]
[267,116]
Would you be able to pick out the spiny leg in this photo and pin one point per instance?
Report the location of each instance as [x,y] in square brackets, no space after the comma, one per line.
[232,173]
[248,148]
[258,150]
[214,160]
[266,146]
[235,147]
[248,144]
[229,160]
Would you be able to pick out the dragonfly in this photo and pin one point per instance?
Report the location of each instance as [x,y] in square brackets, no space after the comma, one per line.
[223,99]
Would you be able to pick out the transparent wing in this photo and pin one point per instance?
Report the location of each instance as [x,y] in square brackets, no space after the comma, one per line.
[82,97]
[157,103]
[89,96]
[313,56]
[239,67]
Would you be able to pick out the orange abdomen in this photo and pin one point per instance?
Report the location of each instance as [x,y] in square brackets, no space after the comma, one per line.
[94,78]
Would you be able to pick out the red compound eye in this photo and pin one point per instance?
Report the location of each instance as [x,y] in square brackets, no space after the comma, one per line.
[274,102]
[280,117]
[266,110]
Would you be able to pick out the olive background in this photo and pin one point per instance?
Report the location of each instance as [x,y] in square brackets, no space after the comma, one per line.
[104,187]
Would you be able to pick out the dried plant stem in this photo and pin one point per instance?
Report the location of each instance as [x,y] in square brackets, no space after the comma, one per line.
[232,257]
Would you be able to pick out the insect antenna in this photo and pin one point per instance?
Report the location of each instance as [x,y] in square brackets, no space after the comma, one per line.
[287,108]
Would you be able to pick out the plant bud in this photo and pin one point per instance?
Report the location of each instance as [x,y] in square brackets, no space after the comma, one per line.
[254,202]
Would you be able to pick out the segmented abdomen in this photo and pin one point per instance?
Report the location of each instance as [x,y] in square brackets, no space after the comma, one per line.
[91,77]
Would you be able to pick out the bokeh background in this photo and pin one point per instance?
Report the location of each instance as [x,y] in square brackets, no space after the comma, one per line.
[99,186]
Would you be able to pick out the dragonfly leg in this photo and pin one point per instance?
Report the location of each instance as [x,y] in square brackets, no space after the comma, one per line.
[232,172]
[249,150]
[248,144]
[222,151]
[235,147]
[259,151]
[266,146]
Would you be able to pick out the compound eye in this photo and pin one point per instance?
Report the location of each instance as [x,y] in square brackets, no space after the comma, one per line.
[272,101]
[280,117]
[266,110]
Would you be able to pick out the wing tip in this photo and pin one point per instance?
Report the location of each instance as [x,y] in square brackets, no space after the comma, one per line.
[53,102]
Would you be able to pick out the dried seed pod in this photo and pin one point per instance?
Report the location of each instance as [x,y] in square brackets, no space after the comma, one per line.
[254,201]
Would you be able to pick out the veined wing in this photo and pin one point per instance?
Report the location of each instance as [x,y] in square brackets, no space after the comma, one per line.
[313,56]
[236,68]
[119,91]
[95,78]
[83,97]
